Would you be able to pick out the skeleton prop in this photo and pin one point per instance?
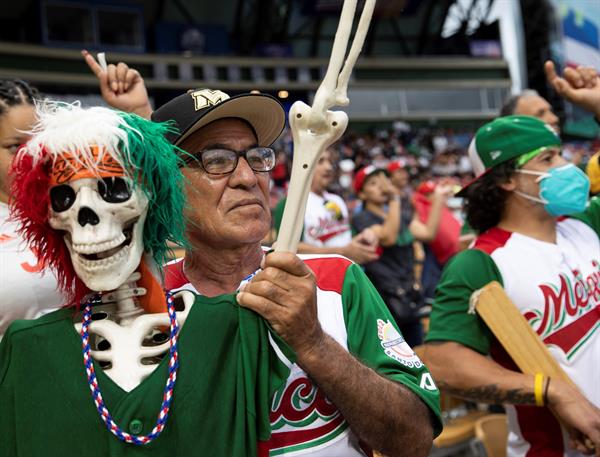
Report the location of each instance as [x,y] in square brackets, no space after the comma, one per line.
[98,195]
[316,128]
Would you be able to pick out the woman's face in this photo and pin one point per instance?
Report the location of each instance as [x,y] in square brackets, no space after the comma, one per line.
[16,119]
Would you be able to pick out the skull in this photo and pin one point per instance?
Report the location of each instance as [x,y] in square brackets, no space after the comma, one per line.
[104,221]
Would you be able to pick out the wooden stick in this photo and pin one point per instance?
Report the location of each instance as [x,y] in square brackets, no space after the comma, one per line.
[516,336]
[514,333]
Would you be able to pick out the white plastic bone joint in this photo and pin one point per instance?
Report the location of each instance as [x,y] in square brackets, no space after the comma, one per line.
[103,221]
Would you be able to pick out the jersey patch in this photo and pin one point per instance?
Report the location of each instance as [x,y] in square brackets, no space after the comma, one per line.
[395,346]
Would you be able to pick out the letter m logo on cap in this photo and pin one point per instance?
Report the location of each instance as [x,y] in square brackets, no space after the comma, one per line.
[206,97]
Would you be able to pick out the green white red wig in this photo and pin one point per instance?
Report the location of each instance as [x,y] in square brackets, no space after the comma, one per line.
[87,138]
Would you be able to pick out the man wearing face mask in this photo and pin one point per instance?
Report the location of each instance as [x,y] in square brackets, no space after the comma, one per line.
[538,237]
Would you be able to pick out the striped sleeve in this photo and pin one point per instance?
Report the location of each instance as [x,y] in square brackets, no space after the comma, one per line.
[374,338]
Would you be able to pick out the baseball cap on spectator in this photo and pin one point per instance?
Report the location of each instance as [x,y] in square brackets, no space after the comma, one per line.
[395,165]
[361,176]
[506,138]
[426,187]
[197,108]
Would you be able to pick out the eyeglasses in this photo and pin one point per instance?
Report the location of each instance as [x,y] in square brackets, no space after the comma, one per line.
[220,161]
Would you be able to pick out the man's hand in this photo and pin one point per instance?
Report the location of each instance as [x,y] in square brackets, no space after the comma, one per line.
[363,247]
[580,417]
[389,189]
[121,87]
[284,293]
[580,86]
[443,191]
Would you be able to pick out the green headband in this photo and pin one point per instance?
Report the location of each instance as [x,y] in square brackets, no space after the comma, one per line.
[524,158]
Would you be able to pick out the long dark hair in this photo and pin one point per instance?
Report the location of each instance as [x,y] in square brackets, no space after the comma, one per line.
[15,92]
[485,199]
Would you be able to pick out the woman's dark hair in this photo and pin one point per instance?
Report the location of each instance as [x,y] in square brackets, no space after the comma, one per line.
[485,199]
[16,92]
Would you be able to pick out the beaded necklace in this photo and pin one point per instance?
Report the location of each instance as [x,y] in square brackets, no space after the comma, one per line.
[168,392]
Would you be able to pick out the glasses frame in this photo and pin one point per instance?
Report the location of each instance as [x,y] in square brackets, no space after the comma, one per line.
[198,158]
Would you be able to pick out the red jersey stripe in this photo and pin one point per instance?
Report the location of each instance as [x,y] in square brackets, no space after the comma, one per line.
[329,272]
[491,240]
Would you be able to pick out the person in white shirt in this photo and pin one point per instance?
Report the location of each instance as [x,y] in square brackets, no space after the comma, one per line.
[326,225]
[26,293]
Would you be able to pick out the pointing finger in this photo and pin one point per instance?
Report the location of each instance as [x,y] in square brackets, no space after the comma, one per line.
[91,62]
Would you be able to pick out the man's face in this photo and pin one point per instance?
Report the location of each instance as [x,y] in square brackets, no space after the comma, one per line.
[226,210]
[373,189]
[399,178]
[544,161]
[323,173]
[536,106]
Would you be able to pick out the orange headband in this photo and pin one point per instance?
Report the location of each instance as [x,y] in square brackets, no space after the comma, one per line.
[66,168]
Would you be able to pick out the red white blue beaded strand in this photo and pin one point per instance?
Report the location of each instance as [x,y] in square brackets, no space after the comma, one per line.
[168,392]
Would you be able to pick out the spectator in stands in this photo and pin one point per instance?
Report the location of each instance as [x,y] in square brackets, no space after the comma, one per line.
[326,221]
[432,224]
[26,294]
[393,273]
[446,241]
[530,103]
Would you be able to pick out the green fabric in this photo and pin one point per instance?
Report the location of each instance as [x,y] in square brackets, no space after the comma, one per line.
[466,229]
[591,216]
[363,340]
[278,215]
[450,320]
[225,381]
[511,136]
[405,237]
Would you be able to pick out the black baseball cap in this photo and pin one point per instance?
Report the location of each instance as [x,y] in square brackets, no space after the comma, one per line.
[197,108]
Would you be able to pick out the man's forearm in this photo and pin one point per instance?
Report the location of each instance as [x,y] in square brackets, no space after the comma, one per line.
[384,414]
[391,224]
[435,217]
[474,377]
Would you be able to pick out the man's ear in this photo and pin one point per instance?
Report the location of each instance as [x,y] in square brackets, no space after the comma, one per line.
[361,195]
[510,184]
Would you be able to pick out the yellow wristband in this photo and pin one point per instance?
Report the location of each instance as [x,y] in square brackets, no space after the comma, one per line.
[538,389]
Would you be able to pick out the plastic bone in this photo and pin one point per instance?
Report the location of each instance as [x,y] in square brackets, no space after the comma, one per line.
[316,128]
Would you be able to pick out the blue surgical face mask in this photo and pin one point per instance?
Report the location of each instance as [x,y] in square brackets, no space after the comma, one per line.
[563,190]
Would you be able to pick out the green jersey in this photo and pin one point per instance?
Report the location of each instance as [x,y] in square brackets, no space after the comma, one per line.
[226,378]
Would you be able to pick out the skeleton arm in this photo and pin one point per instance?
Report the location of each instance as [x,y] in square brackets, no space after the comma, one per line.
[316,128]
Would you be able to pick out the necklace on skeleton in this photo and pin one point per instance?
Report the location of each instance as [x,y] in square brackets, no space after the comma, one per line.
[169,386]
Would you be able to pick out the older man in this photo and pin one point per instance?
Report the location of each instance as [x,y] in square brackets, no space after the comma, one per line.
[356,385]
[229,216]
